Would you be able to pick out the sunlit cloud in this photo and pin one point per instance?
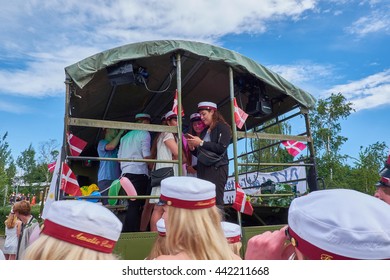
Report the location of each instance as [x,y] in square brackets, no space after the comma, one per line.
[58,33]
[369,92]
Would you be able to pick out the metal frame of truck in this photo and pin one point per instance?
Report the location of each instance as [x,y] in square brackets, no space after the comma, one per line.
[108,89]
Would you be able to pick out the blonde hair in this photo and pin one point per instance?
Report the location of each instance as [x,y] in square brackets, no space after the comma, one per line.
[11,221]
[198,233]
[50,248]
[236,248]
[159,248]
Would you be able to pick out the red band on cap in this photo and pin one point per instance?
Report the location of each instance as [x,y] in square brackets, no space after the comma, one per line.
[187,204]
[233,239]
[311,251]
[83,239]
[162,234]
[385,181]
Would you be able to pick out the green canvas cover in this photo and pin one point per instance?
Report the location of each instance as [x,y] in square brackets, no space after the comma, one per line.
[83,71]
[204,76]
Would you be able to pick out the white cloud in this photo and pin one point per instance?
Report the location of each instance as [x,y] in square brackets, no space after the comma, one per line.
[12,107]
[369,92]
[302,72]
[366,93]
[46,36]
[44,75]
[377,21]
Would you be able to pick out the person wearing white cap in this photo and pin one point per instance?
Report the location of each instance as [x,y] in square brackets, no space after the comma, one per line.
[193,222]
[233,236]
[337,224]
[135,145]
[159,247]
[76,230]
[167,149]
[196,127]
[383,186]
[215,138]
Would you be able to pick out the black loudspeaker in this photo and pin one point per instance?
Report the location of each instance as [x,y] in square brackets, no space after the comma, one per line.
[258,108]
[121,74]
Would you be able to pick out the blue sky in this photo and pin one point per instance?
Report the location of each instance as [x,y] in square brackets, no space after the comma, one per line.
[323,47]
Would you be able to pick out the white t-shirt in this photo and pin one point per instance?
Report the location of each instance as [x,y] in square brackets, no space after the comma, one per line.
[135,145]
[164,153]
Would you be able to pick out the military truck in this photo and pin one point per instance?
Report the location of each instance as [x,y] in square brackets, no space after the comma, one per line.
[108,89]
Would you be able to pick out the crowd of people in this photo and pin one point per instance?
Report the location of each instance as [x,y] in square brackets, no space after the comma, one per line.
[188,214]
[15,197]
[208,131]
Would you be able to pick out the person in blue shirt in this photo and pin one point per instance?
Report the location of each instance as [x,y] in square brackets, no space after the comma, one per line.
[108,170]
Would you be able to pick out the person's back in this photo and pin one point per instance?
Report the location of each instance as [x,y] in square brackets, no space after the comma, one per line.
[22,210]
[12,232]
[135,145]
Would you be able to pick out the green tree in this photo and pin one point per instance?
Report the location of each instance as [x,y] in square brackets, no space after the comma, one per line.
[264,150]
[32,172]
[7,168]
[48,153]
[327,138]
[366,171]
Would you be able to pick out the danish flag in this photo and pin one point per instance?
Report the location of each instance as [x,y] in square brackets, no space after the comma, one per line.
[175,105]
[242,202]
[239,115]
[294,147]
[51,166]
[69,182]
[76,145]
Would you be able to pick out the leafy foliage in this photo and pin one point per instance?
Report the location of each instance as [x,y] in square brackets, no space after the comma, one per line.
[264,150]
[331,164]
[7,166]
[271,187]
